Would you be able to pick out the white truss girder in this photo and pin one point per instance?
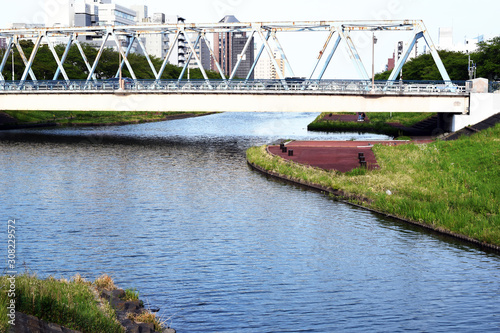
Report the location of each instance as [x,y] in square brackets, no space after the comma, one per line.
[266,32]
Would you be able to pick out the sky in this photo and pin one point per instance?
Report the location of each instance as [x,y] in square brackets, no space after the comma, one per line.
[468,19]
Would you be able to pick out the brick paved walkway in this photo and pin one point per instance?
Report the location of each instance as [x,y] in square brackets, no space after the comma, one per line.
[334,155]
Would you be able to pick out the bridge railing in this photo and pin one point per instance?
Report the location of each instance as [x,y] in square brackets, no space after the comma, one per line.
[221,86]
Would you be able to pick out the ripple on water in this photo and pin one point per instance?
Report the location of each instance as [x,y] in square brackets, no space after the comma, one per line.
[172,210]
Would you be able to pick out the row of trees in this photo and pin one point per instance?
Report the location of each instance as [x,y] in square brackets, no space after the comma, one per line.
[487,59]
[45,66]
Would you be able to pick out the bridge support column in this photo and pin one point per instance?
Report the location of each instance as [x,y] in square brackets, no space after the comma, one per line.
[482,106]
[444,124]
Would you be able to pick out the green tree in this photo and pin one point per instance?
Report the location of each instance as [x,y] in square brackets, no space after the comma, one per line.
[487,59]
[423,67]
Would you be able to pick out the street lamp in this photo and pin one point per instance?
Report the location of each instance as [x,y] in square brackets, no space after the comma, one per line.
[374,41]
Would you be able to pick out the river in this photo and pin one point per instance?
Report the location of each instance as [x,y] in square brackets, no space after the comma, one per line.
[172,209]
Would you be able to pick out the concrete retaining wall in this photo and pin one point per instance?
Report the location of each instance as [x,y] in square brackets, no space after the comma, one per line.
[482,106]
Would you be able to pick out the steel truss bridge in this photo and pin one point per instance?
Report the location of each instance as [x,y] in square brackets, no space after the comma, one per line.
[312,93]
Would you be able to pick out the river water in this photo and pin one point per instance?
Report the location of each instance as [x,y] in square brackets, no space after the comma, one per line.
[172,210]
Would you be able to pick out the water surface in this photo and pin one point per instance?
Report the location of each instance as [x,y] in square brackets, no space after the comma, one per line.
[173,210]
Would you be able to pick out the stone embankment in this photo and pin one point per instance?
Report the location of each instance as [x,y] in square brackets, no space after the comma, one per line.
[30,324]
[124,308]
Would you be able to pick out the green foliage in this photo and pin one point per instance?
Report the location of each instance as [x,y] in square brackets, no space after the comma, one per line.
[45,66]
[487,58]
[438,184]
[89,117]
[357,172]
[131,295]
[424,67]
[379,122]
[70,304]
[4,302]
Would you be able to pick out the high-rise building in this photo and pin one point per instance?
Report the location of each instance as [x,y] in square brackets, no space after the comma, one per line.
[59,13]
[72,13]
[107,13]
[178,56]
[202,52]
[228,47]
[86,14]
[398,53]
[114,14]
[446,42]
[265,68]
[156,44]
[141,13]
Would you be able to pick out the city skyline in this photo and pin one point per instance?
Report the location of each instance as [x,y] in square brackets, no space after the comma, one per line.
[466,21]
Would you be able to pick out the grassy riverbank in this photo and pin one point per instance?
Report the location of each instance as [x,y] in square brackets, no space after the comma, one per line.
[379,122]
[449,185]
[73,304]
[79,118]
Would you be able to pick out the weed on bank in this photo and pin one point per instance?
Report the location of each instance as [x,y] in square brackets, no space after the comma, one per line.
[71,304]
[379,122]
[450,185]
[70,118]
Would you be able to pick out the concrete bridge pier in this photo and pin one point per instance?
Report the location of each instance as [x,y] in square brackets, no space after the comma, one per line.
[481,107]
[444,123]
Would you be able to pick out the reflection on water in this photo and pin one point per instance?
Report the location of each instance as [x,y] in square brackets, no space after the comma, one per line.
[173,210]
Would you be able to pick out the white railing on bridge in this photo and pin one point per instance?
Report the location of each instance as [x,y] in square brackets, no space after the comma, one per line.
[254,86]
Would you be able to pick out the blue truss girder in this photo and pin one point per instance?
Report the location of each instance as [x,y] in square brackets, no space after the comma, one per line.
[353,53]
[28,70]
[329,58]
[241,55]
[5,57]
[344,29]
[65,55]
[98,57]
[124,55]
[259,54]
[60,67]
[422,33]
[402,60]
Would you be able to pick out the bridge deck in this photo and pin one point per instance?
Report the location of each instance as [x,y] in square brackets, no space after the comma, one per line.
[238,101]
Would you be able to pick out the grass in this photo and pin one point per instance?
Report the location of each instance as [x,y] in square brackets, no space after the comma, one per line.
[379,123]
[450,185]
[149,318]
[105,282]
[131,295]
[70,304]
[70,118]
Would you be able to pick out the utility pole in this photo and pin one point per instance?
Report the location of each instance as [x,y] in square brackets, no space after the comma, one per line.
[374,41]
[400,53]
[13,75]
[120,81]
[472,69]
